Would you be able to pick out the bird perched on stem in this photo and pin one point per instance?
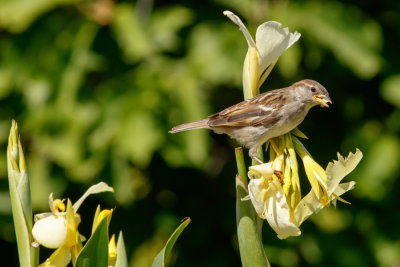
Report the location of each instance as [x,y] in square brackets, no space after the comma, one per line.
[252,122]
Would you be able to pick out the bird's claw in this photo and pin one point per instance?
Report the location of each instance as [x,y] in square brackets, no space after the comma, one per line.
[279,175]
[258,160]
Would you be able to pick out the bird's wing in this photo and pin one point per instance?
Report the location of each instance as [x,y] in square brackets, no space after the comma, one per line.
[262,109]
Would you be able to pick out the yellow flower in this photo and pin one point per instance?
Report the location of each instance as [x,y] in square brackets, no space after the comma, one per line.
[112,251]
[315,173]
[271,202]
[271,41]
[59,228]
[99,216]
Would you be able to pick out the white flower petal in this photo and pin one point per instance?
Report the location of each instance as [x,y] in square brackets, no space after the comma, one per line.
[264,170]
[272,40]
[307,206]
[337,170]
[41,216]
[256,196]
[269,202]
[243,28]
[341,189]
[51,231]
[94,189]
[310,203]
[278,215]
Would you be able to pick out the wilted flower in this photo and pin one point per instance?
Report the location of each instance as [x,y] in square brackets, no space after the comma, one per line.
[274,198]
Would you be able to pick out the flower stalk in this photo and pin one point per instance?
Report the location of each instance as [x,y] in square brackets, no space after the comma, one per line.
[20,195]
[252,251]
[271,41]
[274,187]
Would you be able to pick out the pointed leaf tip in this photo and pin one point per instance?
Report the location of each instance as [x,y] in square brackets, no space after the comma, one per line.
[162,257]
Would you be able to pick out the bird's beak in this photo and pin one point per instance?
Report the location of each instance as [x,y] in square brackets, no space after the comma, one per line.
[323,100]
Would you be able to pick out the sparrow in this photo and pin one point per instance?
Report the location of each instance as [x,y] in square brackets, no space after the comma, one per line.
[254,121]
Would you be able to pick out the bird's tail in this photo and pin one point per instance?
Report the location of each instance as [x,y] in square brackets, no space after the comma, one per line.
[190,126]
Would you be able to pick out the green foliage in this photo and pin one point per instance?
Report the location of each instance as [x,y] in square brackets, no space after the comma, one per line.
[122,260]
[95,96]
[95,251]
[20,195]
[162,257]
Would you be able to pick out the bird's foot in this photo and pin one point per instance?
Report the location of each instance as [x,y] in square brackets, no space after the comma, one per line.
[257,160]
[279,175]
[253,155]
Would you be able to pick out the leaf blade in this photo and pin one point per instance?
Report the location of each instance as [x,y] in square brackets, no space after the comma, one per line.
[95,251]
[122,260]
[161,259]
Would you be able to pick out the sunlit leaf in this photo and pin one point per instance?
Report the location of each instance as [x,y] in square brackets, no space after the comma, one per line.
[122,259]
[162,257]
[95,251]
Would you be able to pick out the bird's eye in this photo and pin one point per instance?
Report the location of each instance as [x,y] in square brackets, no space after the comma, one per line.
[313,89]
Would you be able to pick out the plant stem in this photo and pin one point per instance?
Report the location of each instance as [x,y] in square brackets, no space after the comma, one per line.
[251,248]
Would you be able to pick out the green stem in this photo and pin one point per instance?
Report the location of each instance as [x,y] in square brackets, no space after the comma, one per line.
[260,156]
[251,248]
[241,165]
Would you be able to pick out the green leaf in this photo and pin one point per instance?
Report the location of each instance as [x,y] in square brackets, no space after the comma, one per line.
[131,35]
[122,260]
[252,251]
[161,258]
[95,252]
[353,38]
[18,15]
[20,199]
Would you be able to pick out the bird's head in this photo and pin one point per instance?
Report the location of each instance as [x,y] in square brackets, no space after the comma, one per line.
[312,93]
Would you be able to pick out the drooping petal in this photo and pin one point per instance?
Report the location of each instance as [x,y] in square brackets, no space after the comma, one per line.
[310,203]
[271,41]
[307,206]
[278,214]
[269,201]
[94,189]
[250,66]
[337,170]
[344,187]
[256,189]
[341,189]
[243,28]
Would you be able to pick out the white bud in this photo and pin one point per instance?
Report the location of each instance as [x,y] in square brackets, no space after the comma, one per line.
[51,232]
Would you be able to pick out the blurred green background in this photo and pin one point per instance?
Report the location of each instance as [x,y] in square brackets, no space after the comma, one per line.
[96,85]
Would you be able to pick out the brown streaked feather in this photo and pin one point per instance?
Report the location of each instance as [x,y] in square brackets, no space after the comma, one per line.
[256,111]
[190,126]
